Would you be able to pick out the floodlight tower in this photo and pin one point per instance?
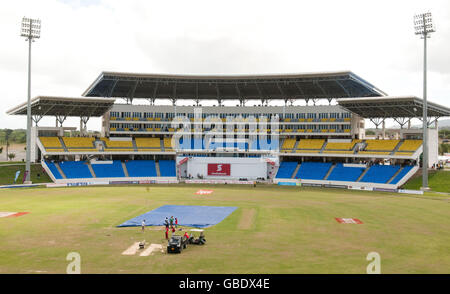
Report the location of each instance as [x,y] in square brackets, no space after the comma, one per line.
[423,25]
[31,30]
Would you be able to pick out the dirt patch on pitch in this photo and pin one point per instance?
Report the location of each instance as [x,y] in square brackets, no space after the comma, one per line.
[247,219]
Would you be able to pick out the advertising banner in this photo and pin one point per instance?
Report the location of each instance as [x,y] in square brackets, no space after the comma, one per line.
[219,169]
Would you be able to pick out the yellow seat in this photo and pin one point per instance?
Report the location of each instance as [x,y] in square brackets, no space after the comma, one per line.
[81,150]
[168,144]
[79,142]
[50,142]
[288,144]
[404,153]
[55,150]
[117,144]
[154,143]
[342,146]
[381,145]
[374,152]
[309,144]
[337,152]
[306,151]
[410,145]
[118,150]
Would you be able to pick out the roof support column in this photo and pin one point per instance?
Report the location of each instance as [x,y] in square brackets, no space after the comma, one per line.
[174,96]
[36,118]
[197,99]
[83,125]
[60,119]
[402,121]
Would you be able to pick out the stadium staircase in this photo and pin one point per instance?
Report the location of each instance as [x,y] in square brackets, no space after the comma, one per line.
[356,144]
[134,147]
[91,169]
[363,174]
[158,172]
[63,144]
[329,171]
[125,170]
[395,175]
[60,170]
[296,170]
[323,147]
[295,148]
[282,142]
[397,147]
[161,143]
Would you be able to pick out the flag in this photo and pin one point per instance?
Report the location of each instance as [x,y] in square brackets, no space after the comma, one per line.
[17,175]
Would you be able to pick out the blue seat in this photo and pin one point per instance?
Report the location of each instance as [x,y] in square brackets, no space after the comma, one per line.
[75,169]
[286,169]
[113,170]
[401,174]
[167,168]
[347,174]
[141,168]
[380,174]
[313,170]
[54,170]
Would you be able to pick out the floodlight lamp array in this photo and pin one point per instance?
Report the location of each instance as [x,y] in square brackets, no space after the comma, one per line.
[423,24]
[31,28]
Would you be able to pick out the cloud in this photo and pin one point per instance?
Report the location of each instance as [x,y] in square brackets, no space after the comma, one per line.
[82,38]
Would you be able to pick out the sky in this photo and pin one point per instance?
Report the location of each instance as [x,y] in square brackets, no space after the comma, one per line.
[81,38]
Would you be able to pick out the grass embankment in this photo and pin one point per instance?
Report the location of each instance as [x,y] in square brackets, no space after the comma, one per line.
[438,181]
[8,173]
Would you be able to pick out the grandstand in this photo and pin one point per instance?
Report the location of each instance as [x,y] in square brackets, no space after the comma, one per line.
[310,144]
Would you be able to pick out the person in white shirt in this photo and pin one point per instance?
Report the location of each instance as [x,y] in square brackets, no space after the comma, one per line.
[143,225]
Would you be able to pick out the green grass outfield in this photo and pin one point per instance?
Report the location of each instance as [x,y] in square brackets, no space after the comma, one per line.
[274,230]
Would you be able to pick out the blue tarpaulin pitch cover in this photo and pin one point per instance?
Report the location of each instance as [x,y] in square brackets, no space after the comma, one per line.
[188,215]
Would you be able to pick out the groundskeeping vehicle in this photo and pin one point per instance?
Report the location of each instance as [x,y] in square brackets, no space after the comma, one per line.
[197,237]
[176,244]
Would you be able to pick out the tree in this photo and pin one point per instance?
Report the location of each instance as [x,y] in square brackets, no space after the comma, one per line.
[7,134]
[11,156]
